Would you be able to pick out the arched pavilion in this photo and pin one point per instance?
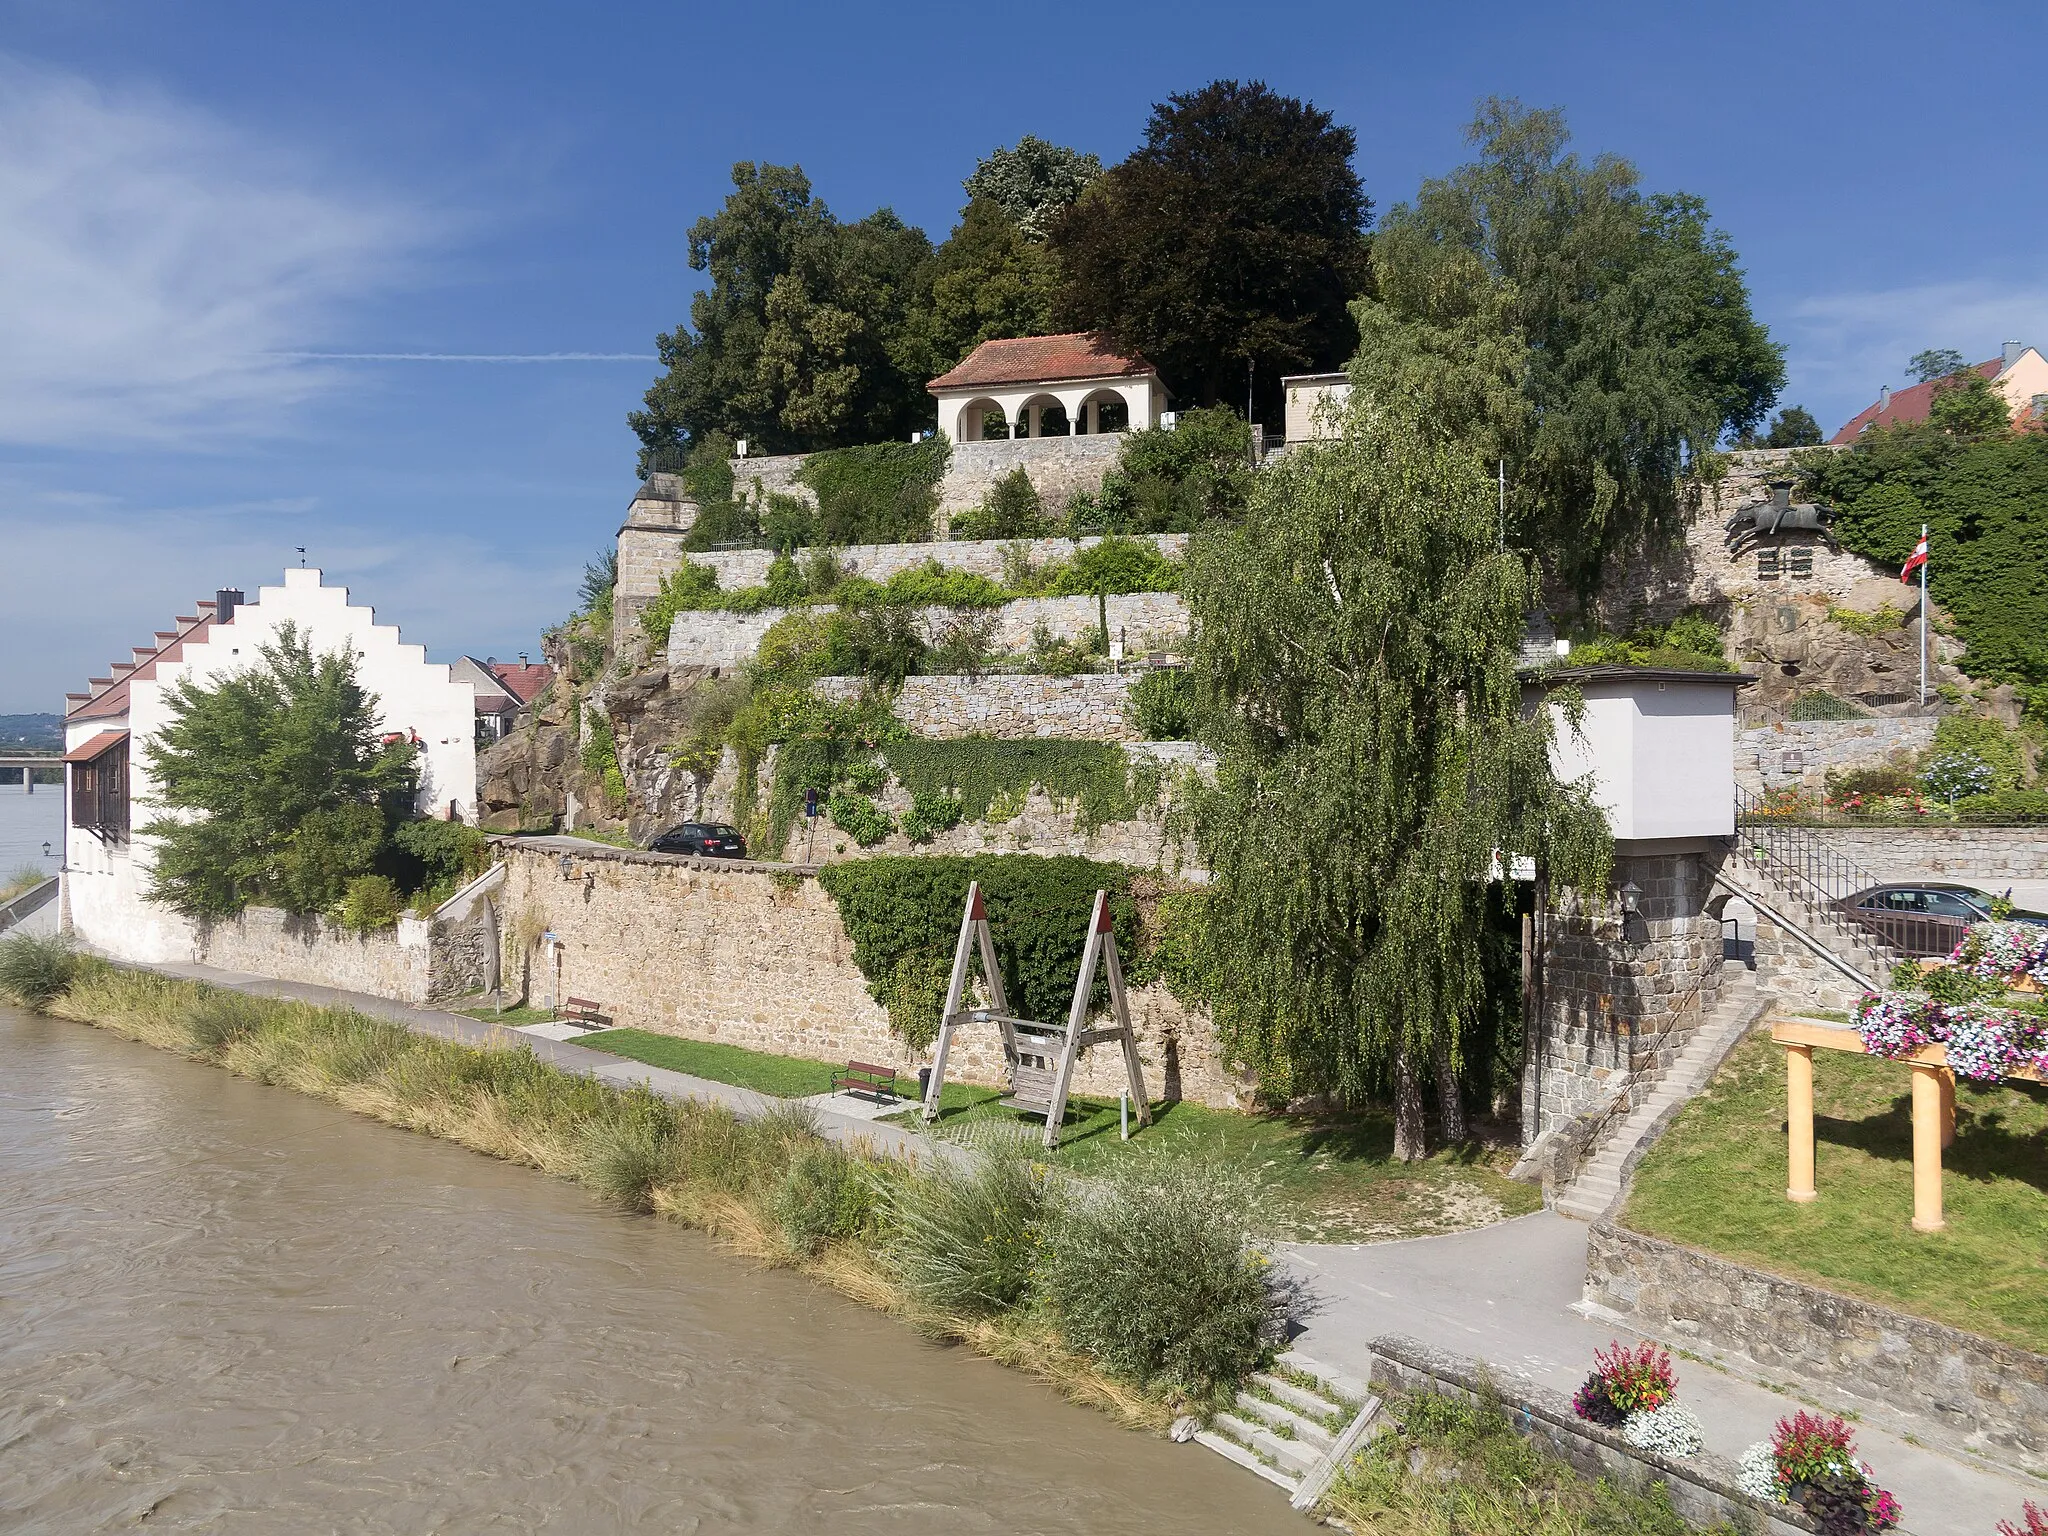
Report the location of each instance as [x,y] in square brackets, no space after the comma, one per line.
[1047,386]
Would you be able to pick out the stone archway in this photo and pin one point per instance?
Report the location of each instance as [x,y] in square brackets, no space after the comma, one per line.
[982,421]
[1104,410]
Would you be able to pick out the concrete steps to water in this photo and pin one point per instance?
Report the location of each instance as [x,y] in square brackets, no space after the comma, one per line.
[1599,1181]
[1294,1426]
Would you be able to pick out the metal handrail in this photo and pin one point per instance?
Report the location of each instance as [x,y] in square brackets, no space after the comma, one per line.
[1809,867]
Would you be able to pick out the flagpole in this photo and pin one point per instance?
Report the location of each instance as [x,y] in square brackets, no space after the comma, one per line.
[1923,621]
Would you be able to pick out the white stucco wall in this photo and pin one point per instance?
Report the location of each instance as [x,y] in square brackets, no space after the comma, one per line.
[1661,751]
[104,882]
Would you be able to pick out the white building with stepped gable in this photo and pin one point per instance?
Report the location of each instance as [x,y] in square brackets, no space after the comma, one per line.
[107,730]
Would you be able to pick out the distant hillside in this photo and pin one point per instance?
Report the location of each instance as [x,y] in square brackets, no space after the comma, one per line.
[31,733]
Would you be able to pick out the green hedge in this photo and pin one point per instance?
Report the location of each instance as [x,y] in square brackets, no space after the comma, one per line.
[908,909]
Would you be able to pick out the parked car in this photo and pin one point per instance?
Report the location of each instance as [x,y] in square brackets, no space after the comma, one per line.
[1926,918]
[702,839]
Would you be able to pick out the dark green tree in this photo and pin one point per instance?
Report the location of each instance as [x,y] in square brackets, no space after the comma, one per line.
[1794,428]
[1235,234]
[277,785]
[1966,404]
[1935,363]
[793,344]
[1358,637]
[1642,352]
[1032,184]
[987,282]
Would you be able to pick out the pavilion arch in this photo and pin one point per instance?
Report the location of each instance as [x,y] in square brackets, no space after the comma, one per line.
[1104,410]
[1044,415]
[983,420]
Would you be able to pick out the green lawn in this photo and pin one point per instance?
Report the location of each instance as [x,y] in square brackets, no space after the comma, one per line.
[786,1077]
[1327,1178]
[521,1014]
[1717,1181]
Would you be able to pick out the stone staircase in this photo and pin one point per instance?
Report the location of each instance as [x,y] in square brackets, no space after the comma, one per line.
[1295,1426]
[1800,877]
[1599,1181]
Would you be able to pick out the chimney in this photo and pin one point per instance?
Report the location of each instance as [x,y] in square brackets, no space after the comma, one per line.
[225,602]
[1884,396]
[2010,354]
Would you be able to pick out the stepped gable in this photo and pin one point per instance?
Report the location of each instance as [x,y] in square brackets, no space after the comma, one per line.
[108,696]
[1042,359]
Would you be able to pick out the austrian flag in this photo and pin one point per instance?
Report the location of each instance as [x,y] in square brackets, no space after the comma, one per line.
[1919,559]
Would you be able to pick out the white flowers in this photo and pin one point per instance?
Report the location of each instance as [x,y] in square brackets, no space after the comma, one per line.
[1757,1474]
[1673,1430]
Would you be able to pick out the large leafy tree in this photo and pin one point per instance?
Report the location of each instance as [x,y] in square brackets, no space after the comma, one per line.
[1358,634]
[278,785]
[1033,183]
[1642,352]
[1235,235]
[792,345]
[987,282]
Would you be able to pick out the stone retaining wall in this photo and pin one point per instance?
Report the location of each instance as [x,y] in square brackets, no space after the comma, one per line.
[1089,707]
[755,955]
[266,942]
[1988,1396]
[720,639]
[1804,752]
[1058,467]
[1912,853]
[738,568]
[1703,1488]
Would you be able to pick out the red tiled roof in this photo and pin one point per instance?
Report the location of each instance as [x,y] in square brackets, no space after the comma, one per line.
[1041,359]
[109,695]
[523,682]
[85,752]
[1907,405]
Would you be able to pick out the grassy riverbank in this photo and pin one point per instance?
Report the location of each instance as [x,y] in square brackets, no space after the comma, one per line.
[1717,1181]
[1142,1295]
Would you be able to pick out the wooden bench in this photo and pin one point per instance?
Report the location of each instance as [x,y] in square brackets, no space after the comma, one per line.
[582,1011]
[865,1076]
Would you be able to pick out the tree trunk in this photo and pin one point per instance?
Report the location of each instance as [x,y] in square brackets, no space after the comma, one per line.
[1450,1098]
[1410,1132]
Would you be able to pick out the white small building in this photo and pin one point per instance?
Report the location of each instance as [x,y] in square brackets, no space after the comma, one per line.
[1315,404]
[1047,386]
[107,729]
[1660,744]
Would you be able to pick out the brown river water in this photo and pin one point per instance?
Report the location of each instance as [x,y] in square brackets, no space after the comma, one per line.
[230,1308]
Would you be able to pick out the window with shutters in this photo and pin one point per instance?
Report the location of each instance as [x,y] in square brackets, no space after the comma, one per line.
[99,794]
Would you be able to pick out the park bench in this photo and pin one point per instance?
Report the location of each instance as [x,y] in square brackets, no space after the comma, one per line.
[584,1012]
[865,1076]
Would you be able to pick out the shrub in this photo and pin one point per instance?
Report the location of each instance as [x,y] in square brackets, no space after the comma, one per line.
[1173,482]
[1956,775]
[371,904]
[961,1238]
[878,641]
[822,1197]
[628,1156]
[2004,805]
[929,585]
[930,814]
[217,1019]
[1111,567]
[859,817]
[1153,1273]
[689,588]
[866,775]
[35,969]
[1162,706]
[1059,658]
[1011,511]
[964,645]
[1997,748]
[1881,781]
[883,493]
[789,523]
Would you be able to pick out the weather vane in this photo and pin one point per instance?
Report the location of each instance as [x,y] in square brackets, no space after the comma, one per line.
[302,553]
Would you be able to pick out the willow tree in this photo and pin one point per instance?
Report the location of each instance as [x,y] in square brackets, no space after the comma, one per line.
[1358,633]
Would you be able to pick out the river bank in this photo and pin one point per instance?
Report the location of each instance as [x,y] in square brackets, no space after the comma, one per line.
[234,1309]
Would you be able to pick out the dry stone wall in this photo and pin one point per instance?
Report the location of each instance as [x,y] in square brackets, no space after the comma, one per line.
[878,562]
[1057,466]
[755,955]
[1803,753]
[263,941]
[1989,1396]
[1955,853]
[1089,707]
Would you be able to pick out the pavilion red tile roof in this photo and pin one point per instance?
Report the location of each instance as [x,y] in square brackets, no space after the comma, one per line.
[1041,360]
[1906,405]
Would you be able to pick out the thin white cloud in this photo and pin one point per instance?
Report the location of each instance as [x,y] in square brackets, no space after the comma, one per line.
[475,357]
[1845,345]
[158,270]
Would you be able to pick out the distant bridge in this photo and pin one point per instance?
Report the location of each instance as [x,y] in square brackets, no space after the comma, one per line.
[19,769]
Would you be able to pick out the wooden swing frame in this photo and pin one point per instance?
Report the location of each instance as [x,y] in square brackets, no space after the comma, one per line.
[1041,1056]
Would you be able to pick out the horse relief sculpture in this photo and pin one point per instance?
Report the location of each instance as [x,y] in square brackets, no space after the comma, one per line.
[1778,514]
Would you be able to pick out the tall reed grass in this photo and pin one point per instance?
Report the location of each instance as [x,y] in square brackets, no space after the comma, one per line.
[958,1248]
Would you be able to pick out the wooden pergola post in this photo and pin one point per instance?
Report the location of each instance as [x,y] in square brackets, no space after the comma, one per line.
[1799,1183]
[1928,1093]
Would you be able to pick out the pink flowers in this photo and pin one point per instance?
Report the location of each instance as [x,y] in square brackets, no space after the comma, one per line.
[1817,1468]
[1984,1043]
[1625,1381]
[2034,1522]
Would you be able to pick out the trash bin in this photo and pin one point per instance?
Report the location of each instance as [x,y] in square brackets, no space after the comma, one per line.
[924,1082]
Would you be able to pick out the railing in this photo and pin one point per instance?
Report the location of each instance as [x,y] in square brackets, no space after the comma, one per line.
[1813,871]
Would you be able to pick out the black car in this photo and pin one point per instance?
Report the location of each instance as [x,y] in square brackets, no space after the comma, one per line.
[701,839]
[1928,917]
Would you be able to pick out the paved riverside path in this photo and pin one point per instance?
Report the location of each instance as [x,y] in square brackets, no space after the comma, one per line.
[1501,1294]
[1504,1294]
[744,1102]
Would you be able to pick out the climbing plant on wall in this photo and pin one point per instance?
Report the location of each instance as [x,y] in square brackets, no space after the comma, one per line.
[903,915]
[1101,781]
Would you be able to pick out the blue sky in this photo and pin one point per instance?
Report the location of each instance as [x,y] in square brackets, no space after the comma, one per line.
[193,197]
